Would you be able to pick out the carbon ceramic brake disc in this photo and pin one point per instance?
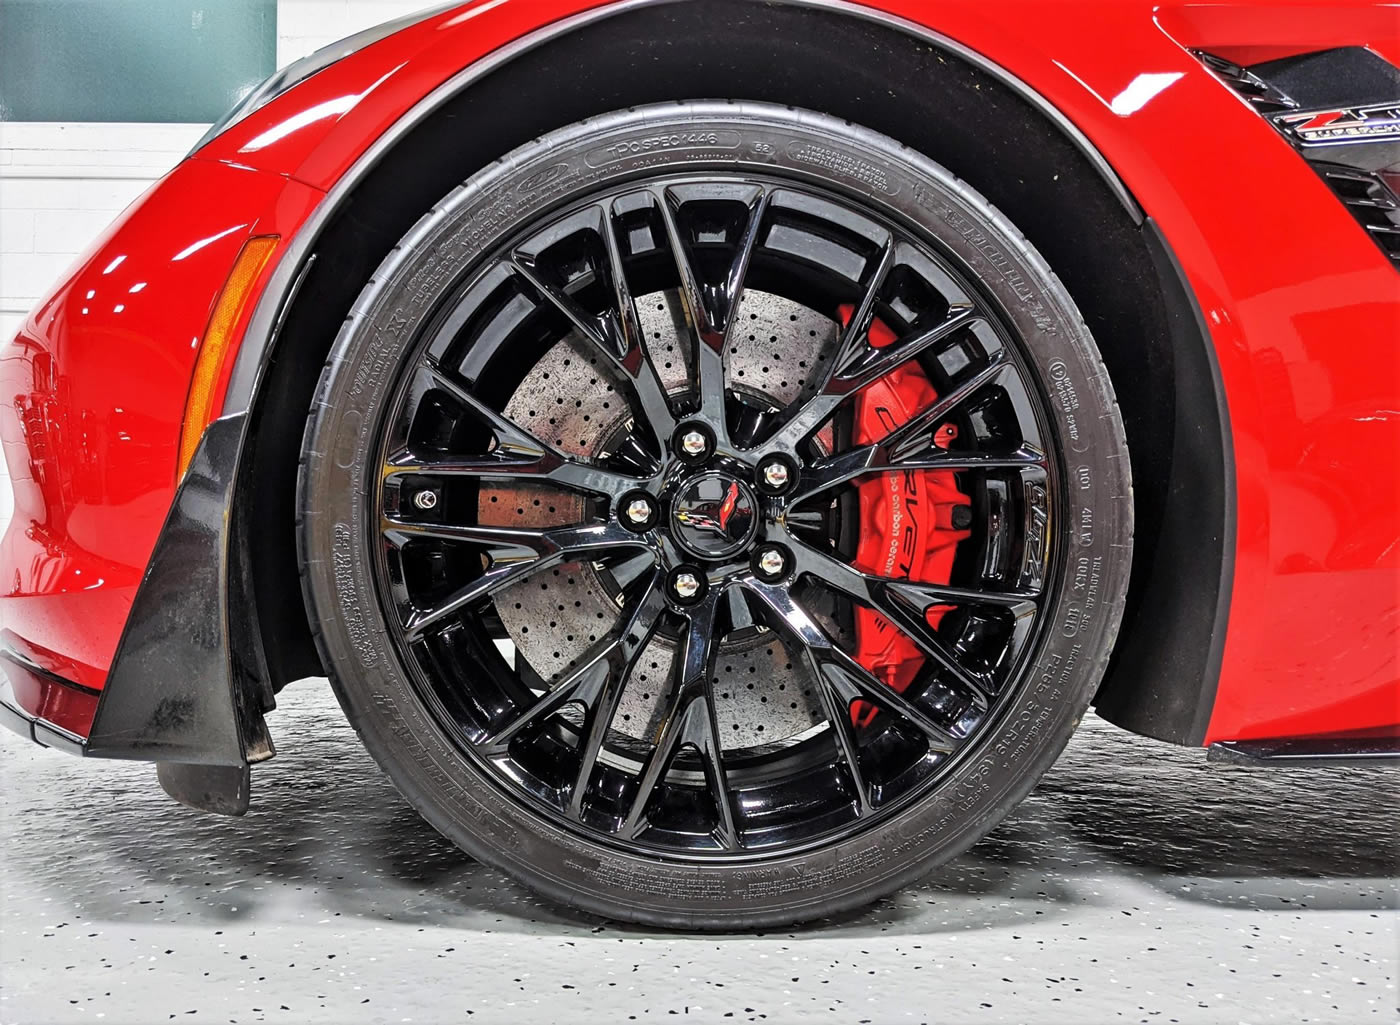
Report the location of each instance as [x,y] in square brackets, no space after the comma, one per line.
[763,696]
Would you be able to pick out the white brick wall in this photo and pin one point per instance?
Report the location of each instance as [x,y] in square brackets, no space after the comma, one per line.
[61,184]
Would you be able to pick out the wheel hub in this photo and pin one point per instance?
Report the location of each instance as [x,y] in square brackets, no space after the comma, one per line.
[714,515]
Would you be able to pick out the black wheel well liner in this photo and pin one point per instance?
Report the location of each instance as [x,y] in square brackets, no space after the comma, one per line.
[1115,264]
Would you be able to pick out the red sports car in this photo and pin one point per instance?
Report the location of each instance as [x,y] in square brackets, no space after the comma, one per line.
[719,450]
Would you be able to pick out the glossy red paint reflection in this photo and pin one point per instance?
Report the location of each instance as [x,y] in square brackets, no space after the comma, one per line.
[95,380]
[42,697]
[1303,309]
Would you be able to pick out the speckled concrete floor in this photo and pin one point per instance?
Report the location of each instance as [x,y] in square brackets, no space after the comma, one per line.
[1137,884]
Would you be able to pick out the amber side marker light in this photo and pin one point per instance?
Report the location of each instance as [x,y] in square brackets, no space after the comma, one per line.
[214,350]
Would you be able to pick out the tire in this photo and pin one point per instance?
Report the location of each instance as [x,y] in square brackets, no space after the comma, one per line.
[1088,537]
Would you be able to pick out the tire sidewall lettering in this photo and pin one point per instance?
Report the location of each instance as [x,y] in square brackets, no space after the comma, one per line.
[383,702]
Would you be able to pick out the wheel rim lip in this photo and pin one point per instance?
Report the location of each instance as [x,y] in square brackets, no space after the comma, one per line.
[1053,596]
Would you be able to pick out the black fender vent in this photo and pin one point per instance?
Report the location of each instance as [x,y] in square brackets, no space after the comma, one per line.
[1261,95]
[1340,111]
[1371,200]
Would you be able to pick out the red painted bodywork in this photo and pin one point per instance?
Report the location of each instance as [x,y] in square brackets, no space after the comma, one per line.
[1303,310]
[95,386]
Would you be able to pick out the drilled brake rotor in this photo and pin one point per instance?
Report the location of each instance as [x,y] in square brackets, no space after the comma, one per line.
[763,695]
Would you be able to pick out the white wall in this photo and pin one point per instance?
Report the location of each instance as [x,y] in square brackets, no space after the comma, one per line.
[61,184]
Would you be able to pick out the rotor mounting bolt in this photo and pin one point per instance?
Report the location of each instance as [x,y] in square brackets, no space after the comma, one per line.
[771,563]
[426,499]
[694,443]
[686,585]
[640,511]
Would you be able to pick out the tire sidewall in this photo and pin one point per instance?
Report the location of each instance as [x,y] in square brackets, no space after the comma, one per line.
[341,458]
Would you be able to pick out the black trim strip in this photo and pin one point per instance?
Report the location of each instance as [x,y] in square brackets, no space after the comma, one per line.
[46,674]
[1306,752]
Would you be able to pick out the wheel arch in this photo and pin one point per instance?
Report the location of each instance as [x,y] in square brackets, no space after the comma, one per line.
[1114,262]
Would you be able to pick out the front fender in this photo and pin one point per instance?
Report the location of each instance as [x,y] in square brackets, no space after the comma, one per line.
[95,385]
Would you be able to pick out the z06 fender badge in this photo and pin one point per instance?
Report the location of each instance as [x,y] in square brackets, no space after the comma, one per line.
[1334,127]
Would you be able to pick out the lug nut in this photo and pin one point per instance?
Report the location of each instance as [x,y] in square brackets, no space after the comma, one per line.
[426,500]
[686,585]
[639,511]
[694,443]
[771,563]
[775,474]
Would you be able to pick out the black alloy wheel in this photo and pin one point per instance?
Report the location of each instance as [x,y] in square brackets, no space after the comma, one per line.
[586,510]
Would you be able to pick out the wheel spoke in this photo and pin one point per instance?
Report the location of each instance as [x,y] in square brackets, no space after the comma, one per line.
[635,360]
[633,637]
[616,334]
[905,604]
[905,447]
[852,682]
[835,388]
[627,571]
[751,425]
[514,554]
[599,674]
[710,308]
[518,454]
[867,459]
[584,685]
[915,434]
[511,438]
[831,570]
[857,331]
[867,368]
[690,722]
[838,714]
[550,469]
[848,679]
[876,363]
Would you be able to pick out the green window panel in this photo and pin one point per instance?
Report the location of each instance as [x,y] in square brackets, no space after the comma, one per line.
[132,60]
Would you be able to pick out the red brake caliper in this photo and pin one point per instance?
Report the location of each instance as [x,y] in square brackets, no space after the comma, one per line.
[906,520]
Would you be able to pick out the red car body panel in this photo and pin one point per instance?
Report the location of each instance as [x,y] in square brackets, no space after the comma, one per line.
[96,383]
[1303,311]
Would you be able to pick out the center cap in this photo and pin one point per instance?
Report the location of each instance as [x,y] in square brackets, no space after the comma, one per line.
[714,515]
